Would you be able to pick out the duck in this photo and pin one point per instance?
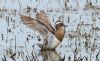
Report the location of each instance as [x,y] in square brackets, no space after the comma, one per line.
[52,36]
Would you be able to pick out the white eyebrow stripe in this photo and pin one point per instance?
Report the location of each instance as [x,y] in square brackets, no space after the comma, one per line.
[58,23]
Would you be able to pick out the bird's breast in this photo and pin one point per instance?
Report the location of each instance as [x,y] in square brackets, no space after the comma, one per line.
[59,34]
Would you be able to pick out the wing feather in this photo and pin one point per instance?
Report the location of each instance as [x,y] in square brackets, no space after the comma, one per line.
[44,19]
[34,24]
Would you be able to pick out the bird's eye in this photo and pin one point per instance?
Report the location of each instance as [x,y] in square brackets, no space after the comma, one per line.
[61,23]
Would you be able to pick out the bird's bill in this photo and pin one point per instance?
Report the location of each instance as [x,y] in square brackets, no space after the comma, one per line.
[65,26]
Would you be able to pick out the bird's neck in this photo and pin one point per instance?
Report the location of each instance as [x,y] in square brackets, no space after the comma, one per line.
[59,33]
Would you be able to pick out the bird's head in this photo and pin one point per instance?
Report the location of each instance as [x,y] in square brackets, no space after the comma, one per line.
[59,24]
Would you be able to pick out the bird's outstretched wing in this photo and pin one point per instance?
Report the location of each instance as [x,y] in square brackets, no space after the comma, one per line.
[34,24]
[44,19]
